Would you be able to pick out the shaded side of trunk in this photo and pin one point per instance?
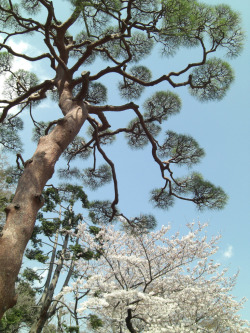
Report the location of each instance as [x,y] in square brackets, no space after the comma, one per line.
[129,323]
[21,214]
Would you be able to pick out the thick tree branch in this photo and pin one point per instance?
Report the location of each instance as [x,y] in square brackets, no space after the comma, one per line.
[24,56]
[34,93]
[116,199]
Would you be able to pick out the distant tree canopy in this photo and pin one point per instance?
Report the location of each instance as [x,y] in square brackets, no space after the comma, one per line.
[120,34]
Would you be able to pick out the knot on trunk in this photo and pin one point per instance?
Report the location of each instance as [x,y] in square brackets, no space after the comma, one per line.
[39,197]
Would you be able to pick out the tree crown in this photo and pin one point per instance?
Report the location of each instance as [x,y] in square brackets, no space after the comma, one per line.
[120,34]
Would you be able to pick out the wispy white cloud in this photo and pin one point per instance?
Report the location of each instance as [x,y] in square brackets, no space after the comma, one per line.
[19,63]
[20,46]
[229,252]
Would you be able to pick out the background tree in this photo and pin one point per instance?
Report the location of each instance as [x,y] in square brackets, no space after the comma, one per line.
[156,282]
[121,33]
[21,316]
[57,252]
[53,248]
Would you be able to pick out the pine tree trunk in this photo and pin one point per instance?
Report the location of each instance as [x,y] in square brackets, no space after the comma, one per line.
[21,214]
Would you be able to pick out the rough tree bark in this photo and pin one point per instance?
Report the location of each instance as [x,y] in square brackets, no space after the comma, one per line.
[21,214]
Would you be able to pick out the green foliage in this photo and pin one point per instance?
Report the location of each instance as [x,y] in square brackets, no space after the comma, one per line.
[12,175]
[40,129]
[181,149]
[77,149]
[141,224]
[9,136]
[36,254]
[82,40]
[79,252]
[100,212]
[107,137]
[144,10]
[94,178]
[66,192]
[161,105]
[97,93]
[204,193]
[136,137]
[191,21]
[31,6]
[70,220]
[69,173]
[7,17]
[51,199]
[94,230]
[36,242]
[19,82]
[96,14]
[212,80]
[23,313]
[226,30]
[114,49]
[30,275]
[61,199]
[181,27]
[71,193]
[103,6]
[76,249]
[95,321]
[86,254]
[140,46]
[6,60]
[130,89]
[70,329]
[161,199]
[123,33]
[133,48]
[50,227]
[3,203]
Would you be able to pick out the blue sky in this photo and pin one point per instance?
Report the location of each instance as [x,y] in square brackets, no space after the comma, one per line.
[222,129]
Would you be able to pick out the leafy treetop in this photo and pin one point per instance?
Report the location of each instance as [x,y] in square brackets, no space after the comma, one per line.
[121,34]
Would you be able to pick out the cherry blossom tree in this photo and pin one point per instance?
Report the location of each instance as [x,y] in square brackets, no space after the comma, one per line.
[154,282]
